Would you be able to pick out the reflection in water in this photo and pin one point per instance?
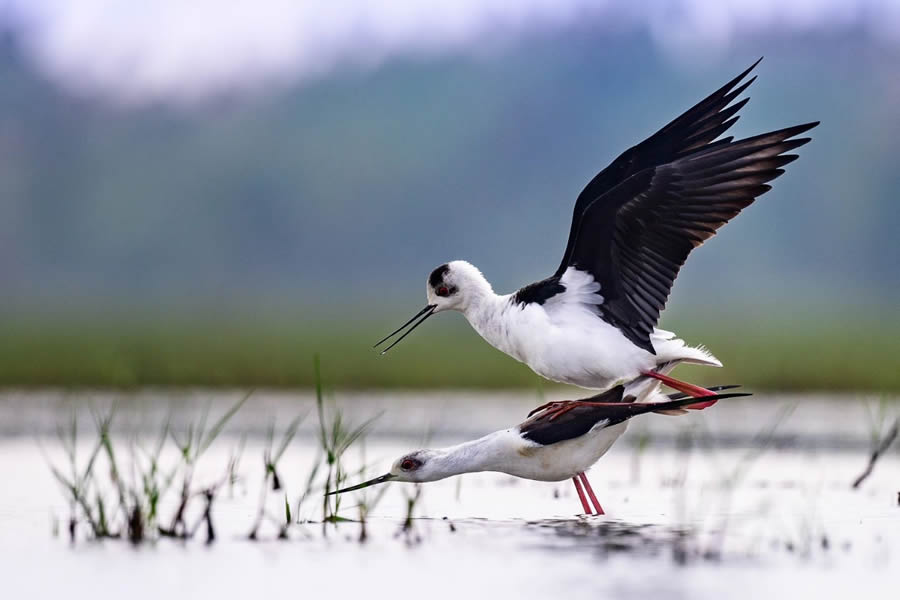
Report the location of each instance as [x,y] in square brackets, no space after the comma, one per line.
[614,536]
[597,536]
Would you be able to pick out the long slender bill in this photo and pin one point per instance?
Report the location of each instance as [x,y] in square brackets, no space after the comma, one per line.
[427,312]
[377,480]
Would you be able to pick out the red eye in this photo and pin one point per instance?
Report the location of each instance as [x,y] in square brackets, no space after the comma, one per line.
[407,465]
[443,291]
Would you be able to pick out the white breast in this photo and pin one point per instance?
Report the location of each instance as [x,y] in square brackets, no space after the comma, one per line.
[565,339]
[555,462]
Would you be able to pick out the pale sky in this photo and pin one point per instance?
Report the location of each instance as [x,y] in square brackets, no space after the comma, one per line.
[186,51]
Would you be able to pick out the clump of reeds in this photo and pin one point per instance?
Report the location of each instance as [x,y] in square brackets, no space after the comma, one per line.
[336,436]
[271,480]
[119,506]
[881,438]
[134,511]
[408,529]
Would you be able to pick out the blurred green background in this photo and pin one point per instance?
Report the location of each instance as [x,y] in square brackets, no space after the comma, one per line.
[201,198]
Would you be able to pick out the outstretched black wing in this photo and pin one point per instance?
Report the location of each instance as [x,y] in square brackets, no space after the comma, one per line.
[634,239]
[636,222]
[697,127]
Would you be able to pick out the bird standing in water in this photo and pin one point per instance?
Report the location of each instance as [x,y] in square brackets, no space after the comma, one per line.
[593,322]
[558,441]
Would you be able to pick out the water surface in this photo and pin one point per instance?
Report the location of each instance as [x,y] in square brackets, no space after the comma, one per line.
[751,495]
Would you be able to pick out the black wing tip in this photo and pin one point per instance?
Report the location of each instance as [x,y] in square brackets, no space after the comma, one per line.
[791,132]
[805,127]
[745,72]
[724,396]
[686,402]
[794,143]
[787,134]
[740,103]
[732,89]
[785,139]
[730,96]
[718,100]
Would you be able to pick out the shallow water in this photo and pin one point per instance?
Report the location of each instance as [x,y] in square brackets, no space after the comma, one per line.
[702,511]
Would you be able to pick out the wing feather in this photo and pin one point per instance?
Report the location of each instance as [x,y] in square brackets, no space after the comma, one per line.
[635,238]
[696,128]
[636,221]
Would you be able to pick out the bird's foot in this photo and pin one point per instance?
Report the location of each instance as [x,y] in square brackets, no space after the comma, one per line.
[548,405]
[557,409]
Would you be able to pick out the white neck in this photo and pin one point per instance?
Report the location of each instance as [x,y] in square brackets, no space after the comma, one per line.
[484,307]
[487,316]
[483,454]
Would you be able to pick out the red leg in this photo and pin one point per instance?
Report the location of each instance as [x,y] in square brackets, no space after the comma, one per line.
[584,502]
[598,510]
[561,410]
[688,388]
[544,406]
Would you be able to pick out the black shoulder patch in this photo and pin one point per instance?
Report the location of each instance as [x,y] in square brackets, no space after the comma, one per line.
[547,434]
[437,276]
[539,292]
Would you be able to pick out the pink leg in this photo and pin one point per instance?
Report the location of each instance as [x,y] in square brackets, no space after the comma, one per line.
[584,502]
[688,388]
[598,510]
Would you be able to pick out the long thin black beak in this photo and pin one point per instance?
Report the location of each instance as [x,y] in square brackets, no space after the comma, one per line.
[376,481]
[427,311]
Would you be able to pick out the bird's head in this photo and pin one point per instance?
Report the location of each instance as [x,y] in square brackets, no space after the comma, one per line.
[455,285]
[419,466]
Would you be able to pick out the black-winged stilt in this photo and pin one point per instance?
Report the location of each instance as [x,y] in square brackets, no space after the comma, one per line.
[558,441]
[593,322]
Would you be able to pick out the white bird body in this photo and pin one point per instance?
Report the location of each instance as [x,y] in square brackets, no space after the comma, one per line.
[508,452]
[562,339]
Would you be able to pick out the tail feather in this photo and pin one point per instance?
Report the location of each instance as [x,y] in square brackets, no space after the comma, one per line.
[699,405]
[672,349]
[682,405]
[633,409]
[715,388]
